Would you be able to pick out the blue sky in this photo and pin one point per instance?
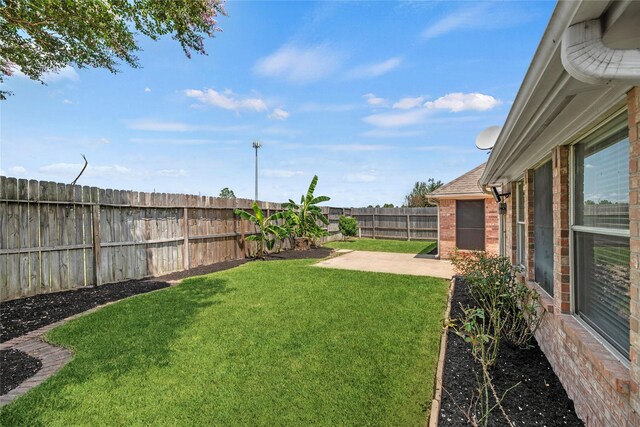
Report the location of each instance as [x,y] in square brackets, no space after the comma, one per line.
[370,96]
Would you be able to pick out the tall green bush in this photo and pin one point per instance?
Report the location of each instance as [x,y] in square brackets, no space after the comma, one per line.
[348,226]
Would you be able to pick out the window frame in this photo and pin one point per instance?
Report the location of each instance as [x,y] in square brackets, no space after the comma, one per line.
[521,250]
[609,127]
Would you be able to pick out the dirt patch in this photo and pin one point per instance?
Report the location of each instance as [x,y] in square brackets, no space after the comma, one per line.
[540,399]
[17,366]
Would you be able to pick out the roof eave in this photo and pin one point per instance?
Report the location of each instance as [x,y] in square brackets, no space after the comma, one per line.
[562,16]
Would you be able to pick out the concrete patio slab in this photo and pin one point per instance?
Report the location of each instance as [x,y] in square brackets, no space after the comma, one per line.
[387,262]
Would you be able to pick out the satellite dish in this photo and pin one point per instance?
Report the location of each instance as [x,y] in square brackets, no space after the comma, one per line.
[487,138]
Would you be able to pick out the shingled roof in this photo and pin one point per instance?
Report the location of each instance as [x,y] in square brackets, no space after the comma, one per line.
[465,185]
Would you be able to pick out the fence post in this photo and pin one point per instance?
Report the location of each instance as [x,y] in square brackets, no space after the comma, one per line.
[95,215]
[235,229]
[408,228]
[185,234]
[373,232]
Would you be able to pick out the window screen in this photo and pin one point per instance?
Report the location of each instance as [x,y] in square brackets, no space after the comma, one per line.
[470,224]
[543,226]
[602,267]
[601,233]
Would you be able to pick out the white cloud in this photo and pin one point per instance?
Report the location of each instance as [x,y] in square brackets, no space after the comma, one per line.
[300,65]
[280,173]
[172,172]
[355,147]
[64,73]
[67,101]
[388,120]
[173,141]
[18,171]
[226,100]
[278,114]
[59,169]
[312,107]
[374,100]
[408,103]
[361,177]
[375,70]
[147,89]
[391,133]
[483,16]
[103,141]
[459,101]
[168,126]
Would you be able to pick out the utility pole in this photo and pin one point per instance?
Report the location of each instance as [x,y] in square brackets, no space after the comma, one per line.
[256,145]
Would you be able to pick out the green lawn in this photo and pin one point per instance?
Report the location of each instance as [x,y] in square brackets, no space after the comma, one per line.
[380,245]
[267,343]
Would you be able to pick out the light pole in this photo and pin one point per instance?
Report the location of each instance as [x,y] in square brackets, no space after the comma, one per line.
[256,145]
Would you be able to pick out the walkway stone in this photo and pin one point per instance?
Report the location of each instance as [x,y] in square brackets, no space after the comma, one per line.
[387,262]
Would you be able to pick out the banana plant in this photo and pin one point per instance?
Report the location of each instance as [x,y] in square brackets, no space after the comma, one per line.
[268,229]
[303,218]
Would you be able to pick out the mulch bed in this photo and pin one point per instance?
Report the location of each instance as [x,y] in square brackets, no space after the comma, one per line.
[540,399]
[16,367]
[24,315]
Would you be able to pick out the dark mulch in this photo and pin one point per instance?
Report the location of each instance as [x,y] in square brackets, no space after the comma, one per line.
[540,399]
[17,366]
[24,315]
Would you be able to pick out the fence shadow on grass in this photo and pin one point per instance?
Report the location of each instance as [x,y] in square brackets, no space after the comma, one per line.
[133,335]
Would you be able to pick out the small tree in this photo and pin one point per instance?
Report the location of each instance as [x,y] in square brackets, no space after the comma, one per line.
[388,205]
[268,229]
[419,196]
[303,218]
[45,36]
[348,226]
[226,193]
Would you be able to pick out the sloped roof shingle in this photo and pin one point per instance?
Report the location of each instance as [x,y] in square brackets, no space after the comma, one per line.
[464,185]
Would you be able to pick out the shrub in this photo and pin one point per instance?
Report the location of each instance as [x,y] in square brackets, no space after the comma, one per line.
[348,226]
[512,308]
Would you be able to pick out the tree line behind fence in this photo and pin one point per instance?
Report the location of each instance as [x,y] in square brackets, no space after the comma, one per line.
[57,236]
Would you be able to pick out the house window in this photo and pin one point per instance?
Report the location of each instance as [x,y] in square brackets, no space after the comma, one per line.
[520,252]
[543,226]
[470,224]
[601,233]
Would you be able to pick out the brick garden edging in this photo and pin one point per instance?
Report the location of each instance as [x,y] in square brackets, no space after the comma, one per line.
[434,413]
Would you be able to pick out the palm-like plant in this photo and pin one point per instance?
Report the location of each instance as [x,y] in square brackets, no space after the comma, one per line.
[303,218]
[268,229]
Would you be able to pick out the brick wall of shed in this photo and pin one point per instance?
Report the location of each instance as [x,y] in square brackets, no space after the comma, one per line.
[447,225]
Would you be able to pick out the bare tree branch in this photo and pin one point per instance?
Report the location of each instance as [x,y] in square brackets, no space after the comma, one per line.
[86,162]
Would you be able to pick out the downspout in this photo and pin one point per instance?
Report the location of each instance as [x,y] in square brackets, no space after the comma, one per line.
[435,202]
[502,226]
[587,59]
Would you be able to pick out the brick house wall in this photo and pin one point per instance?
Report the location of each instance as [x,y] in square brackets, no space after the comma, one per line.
[604,390]
[447,226]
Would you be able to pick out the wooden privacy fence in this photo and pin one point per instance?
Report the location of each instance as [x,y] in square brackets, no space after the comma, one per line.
[391,223]
[56,237]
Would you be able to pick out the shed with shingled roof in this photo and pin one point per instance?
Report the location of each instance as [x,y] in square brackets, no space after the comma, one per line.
[467,216]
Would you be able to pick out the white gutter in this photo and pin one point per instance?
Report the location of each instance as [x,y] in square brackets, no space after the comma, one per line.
[586,58]
[561,18]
